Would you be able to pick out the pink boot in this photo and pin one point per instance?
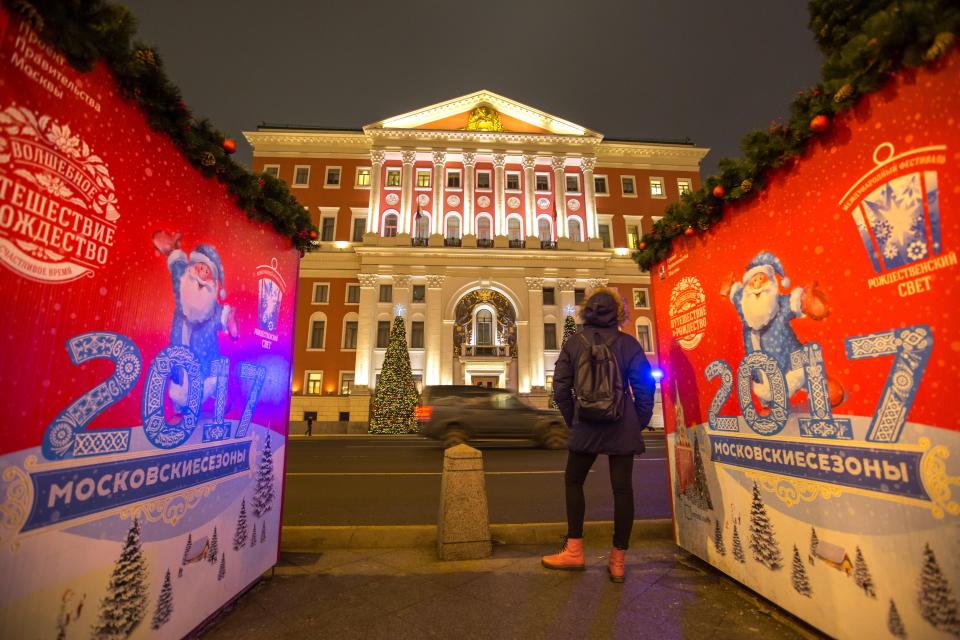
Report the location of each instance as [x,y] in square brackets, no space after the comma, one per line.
[570,557]
[615,564]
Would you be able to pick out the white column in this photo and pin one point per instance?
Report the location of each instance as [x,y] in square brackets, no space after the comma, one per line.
[500,223]
[529,185]
[436,223]
[523,356]
[590,204]
[406,190]
[446,353]
[560,195]
[469,160]
[535,304]
[366,325]
[434,330]
[567,295]
[373,212]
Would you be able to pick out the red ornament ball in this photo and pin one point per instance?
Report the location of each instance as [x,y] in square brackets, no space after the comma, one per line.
[719,191]
[689,231]
[261,181]
[819,123]
[642,245]
[229,146]
[313,234]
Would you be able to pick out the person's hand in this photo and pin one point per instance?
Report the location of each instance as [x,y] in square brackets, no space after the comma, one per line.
[813,302]
[726,284]
[166,242]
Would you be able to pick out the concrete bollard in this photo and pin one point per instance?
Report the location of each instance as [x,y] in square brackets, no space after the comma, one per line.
[463,526]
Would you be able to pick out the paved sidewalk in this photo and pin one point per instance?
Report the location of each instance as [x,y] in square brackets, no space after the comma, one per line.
[408,593]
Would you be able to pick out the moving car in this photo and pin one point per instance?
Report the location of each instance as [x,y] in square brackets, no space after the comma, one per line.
[457,413]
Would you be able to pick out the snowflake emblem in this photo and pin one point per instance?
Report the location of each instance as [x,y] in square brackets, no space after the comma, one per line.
[890,250]
[917,250]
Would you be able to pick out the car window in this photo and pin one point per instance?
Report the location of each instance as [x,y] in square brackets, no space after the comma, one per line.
[506,401]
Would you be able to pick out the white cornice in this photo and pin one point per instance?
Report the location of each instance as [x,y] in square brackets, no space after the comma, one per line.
[506,106]
[612,154]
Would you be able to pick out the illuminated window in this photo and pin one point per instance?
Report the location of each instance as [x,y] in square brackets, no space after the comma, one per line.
[346,383]
[363,177]
[484,328]
[628,186]
[633,236]
[641,298]
[393,177]
[314,383]
[684,185]
[423,177]
[656,188]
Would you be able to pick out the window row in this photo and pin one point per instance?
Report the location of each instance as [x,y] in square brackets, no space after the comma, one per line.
[628,186]
[313,385]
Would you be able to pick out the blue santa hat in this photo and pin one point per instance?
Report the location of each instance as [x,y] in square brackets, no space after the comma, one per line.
[209,256]
[766,262]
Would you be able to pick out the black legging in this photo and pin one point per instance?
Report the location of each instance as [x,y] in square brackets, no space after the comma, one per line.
[621,479]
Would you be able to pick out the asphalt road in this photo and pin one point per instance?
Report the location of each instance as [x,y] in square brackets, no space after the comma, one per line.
[377,480]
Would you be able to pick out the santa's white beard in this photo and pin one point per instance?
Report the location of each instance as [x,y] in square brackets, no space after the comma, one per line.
[197,298]
[758,311]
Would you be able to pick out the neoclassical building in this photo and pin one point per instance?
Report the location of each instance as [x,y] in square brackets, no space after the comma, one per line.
[480,220]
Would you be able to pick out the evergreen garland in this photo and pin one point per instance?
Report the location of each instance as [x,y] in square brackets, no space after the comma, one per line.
[798,575]
[863,42]
[88,31]
[125,605]
[164,604]
[396,395]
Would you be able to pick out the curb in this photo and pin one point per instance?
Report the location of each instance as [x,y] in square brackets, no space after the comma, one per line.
[311,538]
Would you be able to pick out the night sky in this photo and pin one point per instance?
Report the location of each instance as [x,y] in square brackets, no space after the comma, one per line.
[707,71]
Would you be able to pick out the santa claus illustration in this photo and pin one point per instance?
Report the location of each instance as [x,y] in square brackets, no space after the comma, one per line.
[766,314]
[199,314]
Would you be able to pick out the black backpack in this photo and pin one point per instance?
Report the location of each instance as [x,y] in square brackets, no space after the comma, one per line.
[598,383]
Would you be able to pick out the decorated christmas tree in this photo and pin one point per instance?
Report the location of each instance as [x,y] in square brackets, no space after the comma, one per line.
[186,549]
[698,493]
[240,536]
[569,330]
[935,599]
[253,537]
[737,546]
[396,395]
[861,575]
[223,566]
[814,541]
[264,493]
[125,605]
[161,614]
[763,541]
[894,623]
[214,548]
[718,539]
[798,575]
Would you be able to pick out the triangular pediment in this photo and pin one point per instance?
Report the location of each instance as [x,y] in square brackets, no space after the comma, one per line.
[482,111]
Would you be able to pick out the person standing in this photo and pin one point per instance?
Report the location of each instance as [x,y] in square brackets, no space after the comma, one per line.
[604,419]
[309,425]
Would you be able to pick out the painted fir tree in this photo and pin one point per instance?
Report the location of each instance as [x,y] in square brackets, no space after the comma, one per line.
[718,539]
[763,541]
[240,535]
[396,395]
[861,575]
[798,575]
[264,494]
[214,549]
[698,493]
[263,533]
[569,330]
[737,546]
[894,623]
[814,541]
[125,605]
[186,549]
[223,566]
[935,598]
[253,537]
[161,615]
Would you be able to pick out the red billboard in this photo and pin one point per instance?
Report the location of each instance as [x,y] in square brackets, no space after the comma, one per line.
[146,366]
[811,350]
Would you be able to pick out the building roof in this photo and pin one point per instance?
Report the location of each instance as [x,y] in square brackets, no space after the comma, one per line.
[830,552]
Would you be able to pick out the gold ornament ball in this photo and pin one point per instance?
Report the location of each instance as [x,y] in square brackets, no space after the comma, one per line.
[746,185]
[843,93]
[208,159]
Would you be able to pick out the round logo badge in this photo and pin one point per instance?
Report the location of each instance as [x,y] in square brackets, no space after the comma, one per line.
[453,200]
[688,313]
[543,203]
[483,201]
[392,199]
[513,202]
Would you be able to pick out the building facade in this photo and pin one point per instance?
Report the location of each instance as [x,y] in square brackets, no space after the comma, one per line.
[483,223]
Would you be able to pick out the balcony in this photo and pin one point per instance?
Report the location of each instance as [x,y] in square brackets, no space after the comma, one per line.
[420,242]
[548,244]
[484,351]
[452,242]
[485,243]
[518,244]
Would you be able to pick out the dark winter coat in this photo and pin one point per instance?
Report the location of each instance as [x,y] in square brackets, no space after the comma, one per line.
[616,438]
